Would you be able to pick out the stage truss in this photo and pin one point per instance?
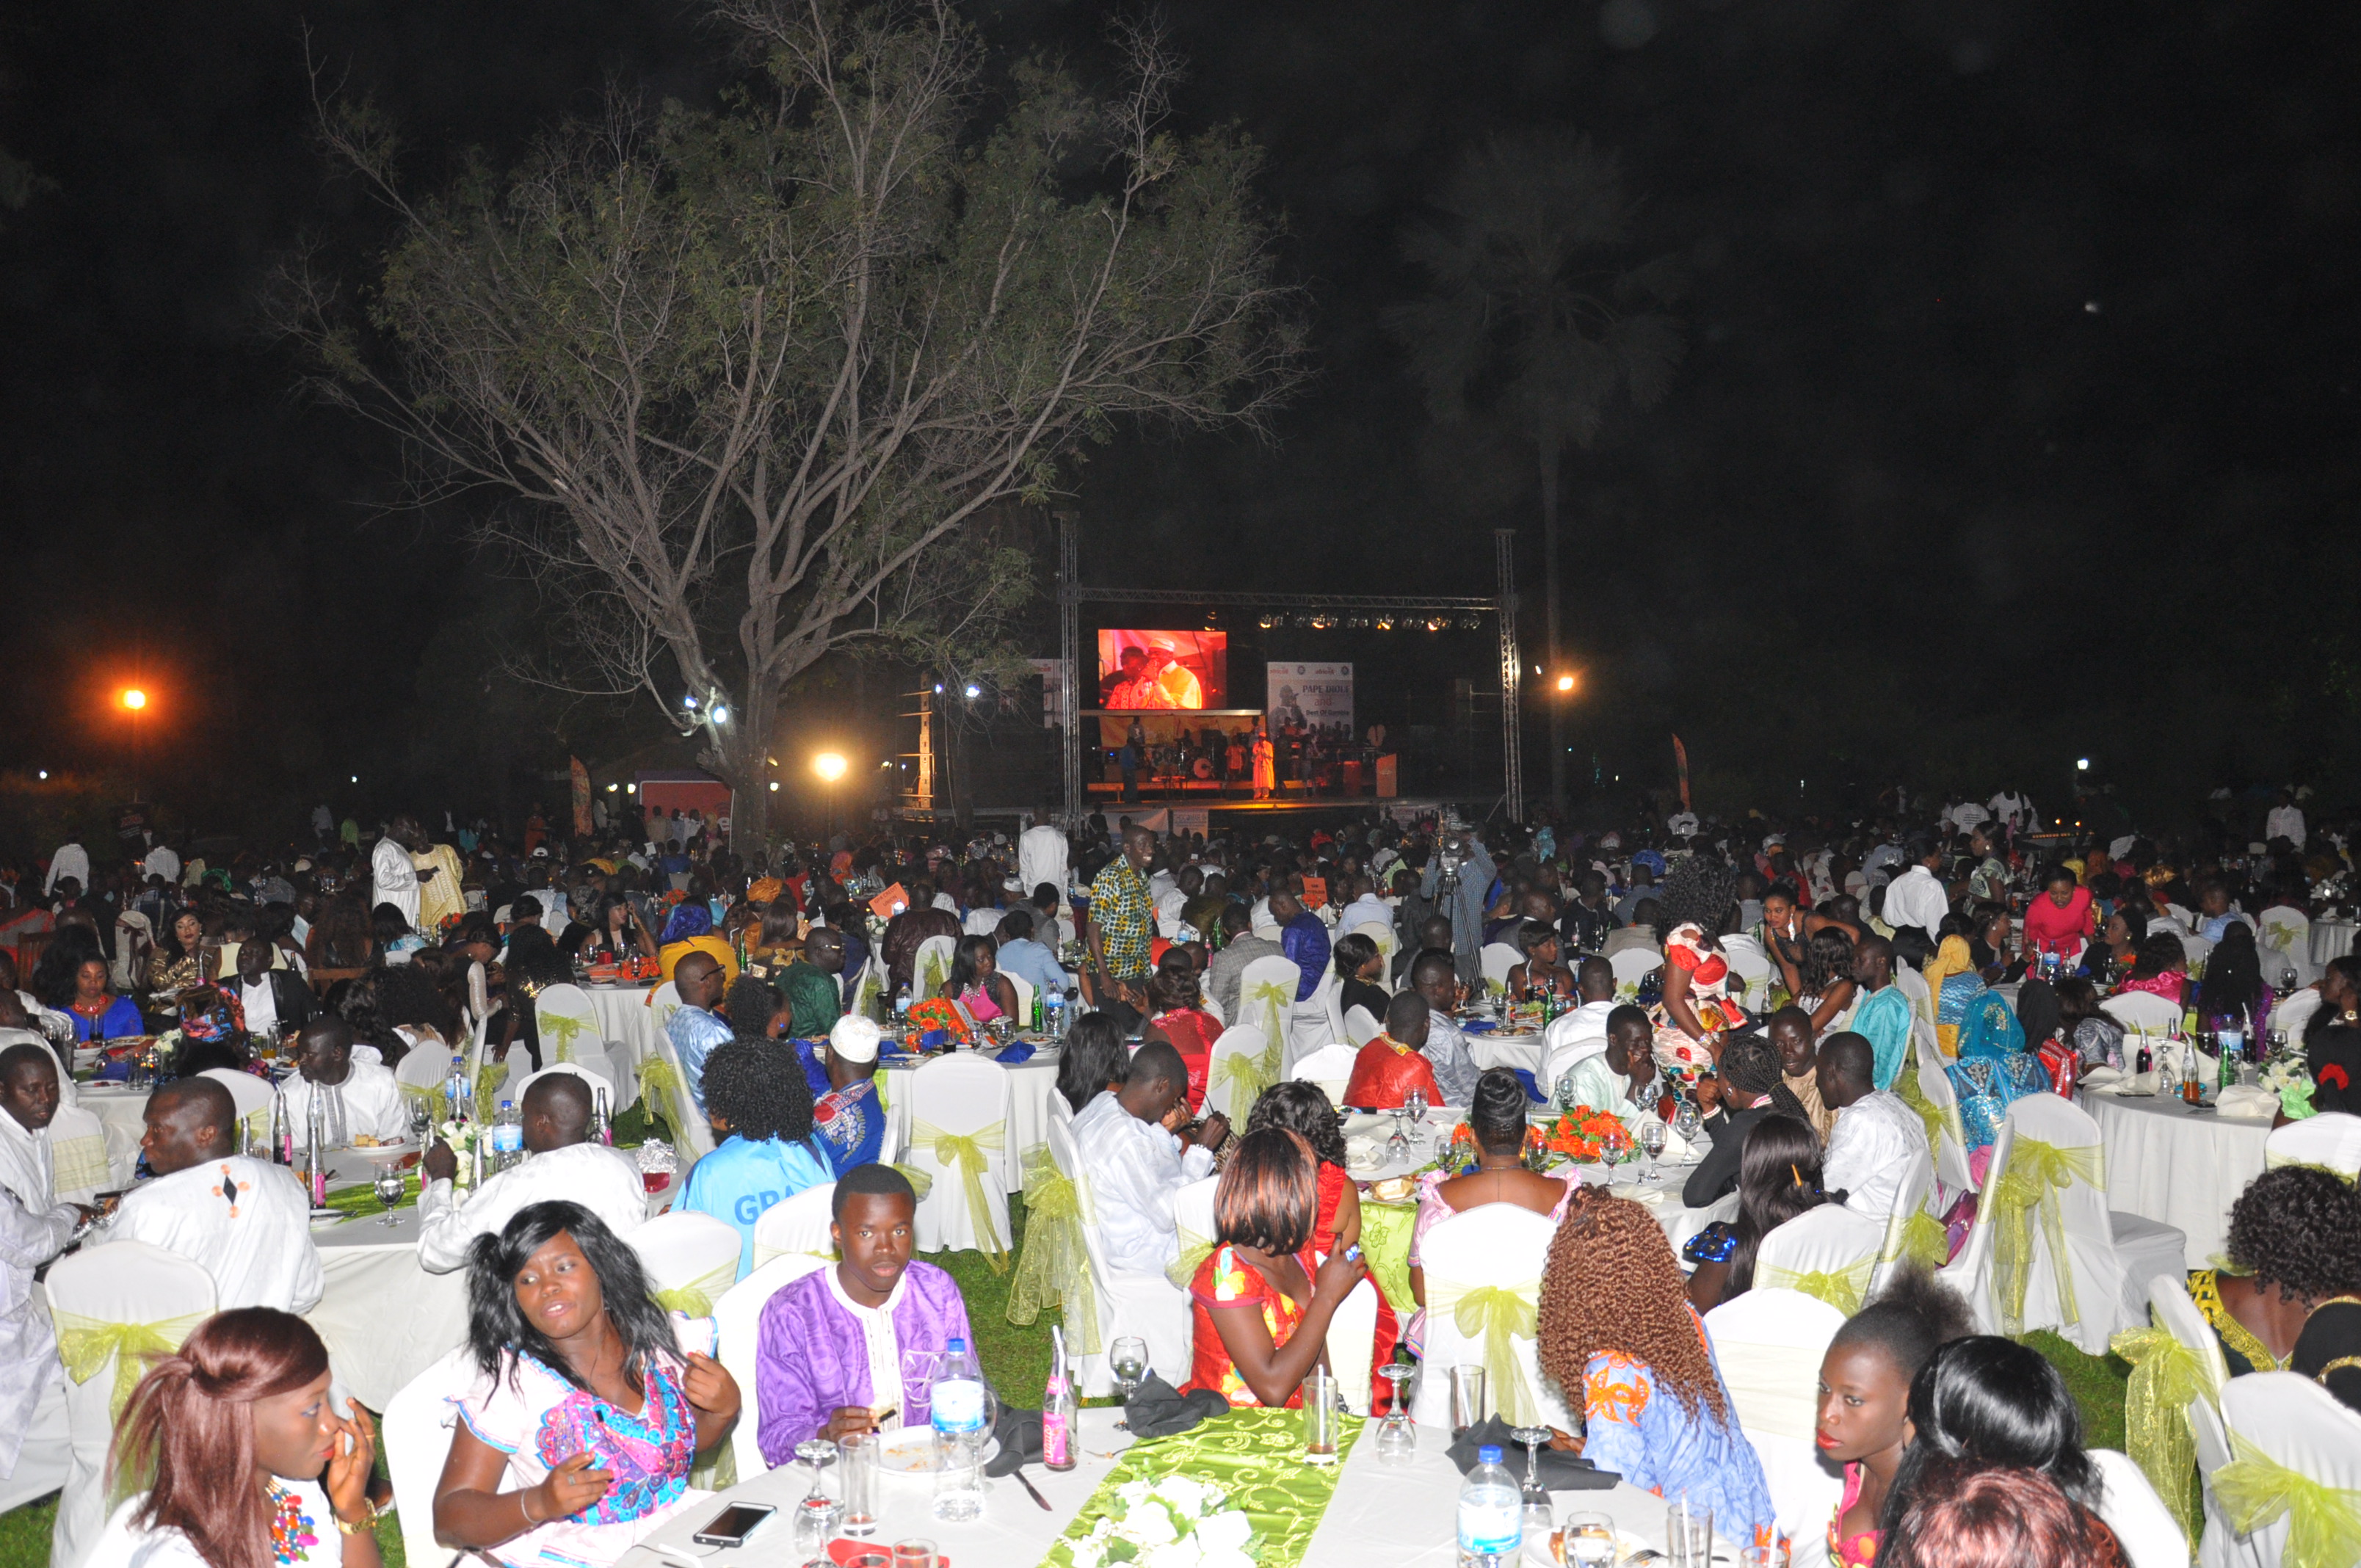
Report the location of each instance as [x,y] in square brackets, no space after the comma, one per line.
[1073,594]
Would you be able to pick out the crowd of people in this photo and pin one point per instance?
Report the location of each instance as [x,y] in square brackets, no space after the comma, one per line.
[787,967]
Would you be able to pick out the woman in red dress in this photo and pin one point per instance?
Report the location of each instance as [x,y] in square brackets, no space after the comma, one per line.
[1178,1017]
[1304,1109]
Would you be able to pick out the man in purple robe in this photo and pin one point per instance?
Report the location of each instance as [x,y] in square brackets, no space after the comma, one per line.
[852,1347]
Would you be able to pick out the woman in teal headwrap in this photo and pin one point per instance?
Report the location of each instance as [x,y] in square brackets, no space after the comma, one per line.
[1994,1069]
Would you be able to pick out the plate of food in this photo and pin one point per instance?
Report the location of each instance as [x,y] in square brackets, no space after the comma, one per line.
[910,1451]
[381,1151]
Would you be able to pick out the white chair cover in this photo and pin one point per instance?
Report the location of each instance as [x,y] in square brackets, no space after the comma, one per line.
[1388,945]
[695,1135]
[2141,1012]
[419,1071]
[1498,958]
[1914,1199]
[664,1001]
[797,1226]
[1266,989]
[2173,1311]
[1750,964]
[250,1094]
[737,1319]
[1353,1345]
[2195,948]
[1360,1026]
[2294,1012]
[1829,1252]
[930,966]
[1913,985]
[1768,1343]
[1146,1306]
[596,1079]
[2285,933]
[1935,1085]
[2110,1258]
[415,1434]
[2287,1419]
[690,1259]
[123,1283]
[1633,965]
[1329,1067]
[568,1023]
[1497,1247]
[83,1162]
[2151,1536]
[2332,1139]
[1024,990]
[1225,1086]
[963,1096]
[1313,1023]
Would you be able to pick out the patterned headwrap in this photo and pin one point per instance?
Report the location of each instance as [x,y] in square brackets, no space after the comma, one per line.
[688,920]
[764,889]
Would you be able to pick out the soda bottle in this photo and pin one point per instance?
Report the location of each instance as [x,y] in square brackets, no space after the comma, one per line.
[1491,1514]
[1059,1408]
[955,1398]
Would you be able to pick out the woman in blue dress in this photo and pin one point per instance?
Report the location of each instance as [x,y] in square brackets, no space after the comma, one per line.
[1995,1070]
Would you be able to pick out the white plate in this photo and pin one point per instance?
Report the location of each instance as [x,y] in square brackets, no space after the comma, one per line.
[910,1451]
[381,1153]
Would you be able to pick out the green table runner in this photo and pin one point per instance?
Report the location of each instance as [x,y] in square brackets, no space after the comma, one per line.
[1256,1457]
[363,1199]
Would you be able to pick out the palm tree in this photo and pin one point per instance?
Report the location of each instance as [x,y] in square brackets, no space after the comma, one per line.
[1535,317]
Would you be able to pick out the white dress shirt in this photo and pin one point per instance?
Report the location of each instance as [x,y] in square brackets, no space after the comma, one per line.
[1041,857]
[1366,910]
[1590,1081]
[161,861]
[26,1168]
[603,1180]
[1135,1168]
[1870,1152]
[71,861]
[262,1005]
[371,1103]
[394,879]
[2284,822]
[29,1347]
[1917,898]
[246,1223]
[1572,1036]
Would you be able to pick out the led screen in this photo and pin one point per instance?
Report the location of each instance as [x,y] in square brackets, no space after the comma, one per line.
[1143,671]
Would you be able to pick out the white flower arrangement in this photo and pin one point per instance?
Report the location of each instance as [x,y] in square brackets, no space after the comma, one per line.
[2285,1071]
[462,1137]
[1172,1523]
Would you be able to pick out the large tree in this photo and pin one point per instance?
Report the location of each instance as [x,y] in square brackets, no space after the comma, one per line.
[741,382]
[1537,316]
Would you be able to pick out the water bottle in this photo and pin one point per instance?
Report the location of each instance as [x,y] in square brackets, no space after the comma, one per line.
[454,1088]
[1491,1514]
[902,1008]
[1059,1408]
[508,1137]
[956,1399]
[1053,1012]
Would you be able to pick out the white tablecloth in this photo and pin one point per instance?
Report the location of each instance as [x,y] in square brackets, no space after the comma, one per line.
[1382,1515]
[1498,1049]
[1030,1084]
[2329,939]
[2183,1169]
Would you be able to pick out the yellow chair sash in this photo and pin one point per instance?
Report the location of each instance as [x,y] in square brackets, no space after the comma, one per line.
[78,1165]
[2279,935]
[1247,1074]
[2166,1375]
[488,1078]
[1276,1001]
[933,975]
[1496,1316]
[1842,1288]
[1921,1238]
[2324,1521]
[1194,1250]
[695,1297]
[970,1154]
[1906,1085]
[661,1087]
[2036,1174]
[87,1344]
[921,1181]
[1054,1269]
[565,1029]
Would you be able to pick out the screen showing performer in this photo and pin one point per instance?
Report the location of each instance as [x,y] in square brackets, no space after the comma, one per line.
[1148,670]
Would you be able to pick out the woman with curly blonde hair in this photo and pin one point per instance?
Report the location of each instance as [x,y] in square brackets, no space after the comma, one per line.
[1615,1324]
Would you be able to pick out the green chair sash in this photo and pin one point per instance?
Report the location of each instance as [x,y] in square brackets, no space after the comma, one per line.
[87,1344]
[1276,1001]
[1496,1316]
[2324,1521]
[1920,1237]
[2166,1375]
[921,1181]
[565,1029]
[1844,1288]
[661,1087]
[695,1297]
[1247,1074]
[2037,1172]
[970,1154]
[488,1078]
[933,975]
[79,1165]
[1054,1269]
[1906,1085]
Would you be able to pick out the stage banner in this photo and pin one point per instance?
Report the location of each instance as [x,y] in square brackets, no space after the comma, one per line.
[1389,775]
[581,779]
[1319,697]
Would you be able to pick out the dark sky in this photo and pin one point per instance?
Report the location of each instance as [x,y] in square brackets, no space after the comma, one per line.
[2017,421]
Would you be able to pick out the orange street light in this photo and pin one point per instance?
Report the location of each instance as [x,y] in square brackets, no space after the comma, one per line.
[829,765]
[1565,682]
[134,699]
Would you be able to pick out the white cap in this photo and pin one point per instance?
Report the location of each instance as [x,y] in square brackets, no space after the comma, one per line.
[854,1038]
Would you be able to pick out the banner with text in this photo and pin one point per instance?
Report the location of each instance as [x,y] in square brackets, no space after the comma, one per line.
[1318,697]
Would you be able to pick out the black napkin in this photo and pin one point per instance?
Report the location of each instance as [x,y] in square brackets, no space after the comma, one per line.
[1157,1410]
[1560,1472]
[1019,1432]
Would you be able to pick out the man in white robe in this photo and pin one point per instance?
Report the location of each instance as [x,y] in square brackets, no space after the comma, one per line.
[28,1104]
[1877,1136]
[243,1222]
[392,874]
[1136,1164]
[32,1383]
[1041,855]
[356,1097]
[1572,1036]
[1620,1078]
[563,1163]
[71,861]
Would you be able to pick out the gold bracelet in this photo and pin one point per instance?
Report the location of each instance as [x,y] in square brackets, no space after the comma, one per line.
[368,1521]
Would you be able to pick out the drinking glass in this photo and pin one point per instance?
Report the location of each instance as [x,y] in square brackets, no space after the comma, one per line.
[914,1553]
[1590,1540]
[1466,1397]
[1652,1139]
[1398,1435]
[1687,1119]
[1762,1557]
[388,1188]
[856,1473]
[1535,1498]
[816,1522]
[1688,1535]
[1127,1364]
[1319,1428]
[422,1122]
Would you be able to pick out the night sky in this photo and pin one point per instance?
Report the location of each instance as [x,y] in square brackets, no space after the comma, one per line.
[2017,421]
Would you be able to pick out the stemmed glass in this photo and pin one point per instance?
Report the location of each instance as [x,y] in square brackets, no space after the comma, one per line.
[1396,1434]
[388,1188]
[1127,1363]
[1687,1119]
[1397,1143]
[1414,1103]
[422,1122]
[816,1515]
[1652,1139]
[1533,1497]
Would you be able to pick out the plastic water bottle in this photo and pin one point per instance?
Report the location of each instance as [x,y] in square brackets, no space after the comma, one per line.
[902,1008]
[1491,1514]
[1052,1003]
[456,1088]
[956,1399]
[508,1137]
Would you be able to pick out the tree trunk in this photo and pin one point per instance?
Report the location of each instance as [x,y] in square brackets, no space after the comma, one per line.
[1551,666]
[737,756]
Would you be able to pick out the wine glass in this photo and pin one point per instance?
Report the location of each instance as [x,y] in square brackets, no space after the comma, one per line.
[422,1122]
[1414,1101]
[1127,1363]
[1687,1119]
[1652,1139]
[387,1186]
[1397,1435]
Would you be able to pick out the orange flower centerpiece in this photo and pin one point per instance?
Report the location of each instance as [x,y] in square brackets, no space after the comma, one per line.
[1586,1137]
[936,1025]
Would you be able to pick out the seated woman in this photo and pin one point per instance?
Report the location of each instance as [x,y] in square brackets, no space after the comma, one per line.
[1496,1117]
[761,1108]
[1360,976]
[1304,1110]
[1388,1067]
[1261,1301]
[231,1432]
[584,1402]
[391,933]
[2058,920]
[2159,967]
[98,1014]
[1994,1070]
[1823,985]
[689,929]
[1543,970]
[2295,1241]
[1092,1061]
[1778,1179]
[178,963]
[1991,947]
[2332,1042]
[1866,1379]
[2116,947]
[532,966]
[1176,1014]
[1614,1323]
[978,983]
[2097,1038]
[2233,995]
[846,1349]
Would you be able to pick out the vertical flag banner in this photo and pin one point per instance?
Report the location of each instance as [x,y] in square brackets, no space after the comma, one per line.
[1681,760]
[581,799]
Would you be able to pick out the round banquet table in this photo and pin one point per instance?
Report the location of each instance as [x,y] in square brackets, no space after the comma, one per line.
[115,1105]
[1499,1048]
[1030,1084]
[2182,1169]
[2329,939]
[628,1022]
